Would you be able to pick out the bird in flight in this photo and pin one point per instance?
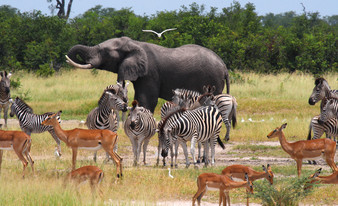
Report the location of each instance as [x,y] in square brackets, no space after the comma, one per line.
[159,34]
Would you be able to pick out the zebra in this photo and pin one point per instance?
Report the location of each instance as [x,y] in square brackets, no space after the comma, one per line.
[330,127]
[321,91]
[139,126]
[5,94]
[31,123]
[121,91]
[329,111]
[103,116]
[199,125]
[226,104]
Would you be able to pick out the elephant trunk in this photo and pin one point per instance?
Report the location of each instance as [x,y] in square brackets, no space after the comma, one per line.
[84,52]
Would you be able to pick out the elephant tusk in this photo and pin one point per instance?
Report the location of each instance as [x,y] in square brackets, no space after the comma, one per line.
[82,66]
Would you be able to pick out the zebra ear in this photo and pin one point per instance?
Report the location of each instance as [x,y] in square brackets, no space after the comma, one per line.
[2,74]
[9,75]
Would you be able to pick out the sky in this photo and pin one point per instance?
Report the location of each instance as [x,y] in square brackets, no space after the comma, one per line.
[149,7]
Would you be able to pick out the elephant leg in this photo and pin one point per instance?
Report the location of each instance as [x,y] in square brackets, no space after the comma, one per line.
[150,98]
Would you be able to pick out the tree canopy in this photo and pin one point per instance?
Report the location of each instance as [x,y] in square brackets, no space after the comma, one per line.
[243,39]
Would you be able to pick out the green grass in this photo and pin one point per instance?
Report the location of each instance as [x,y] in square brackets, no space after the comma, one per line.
[274,98]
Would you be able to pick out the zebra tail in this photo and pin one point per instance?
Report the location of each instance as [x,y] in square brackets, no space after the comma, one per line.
[309,135]
[220,142]
[234,117]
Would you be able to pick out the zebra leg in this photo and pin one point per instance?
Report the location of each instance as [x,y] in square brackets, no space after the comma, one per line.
[58,142]
[192,149]
[172,155]
[185,150]
[177,144]
[6,114]
[159,148]
[145,145]
[206,152]
[134,145]
[139,145]
[199,160]
[212,146]
[228,126]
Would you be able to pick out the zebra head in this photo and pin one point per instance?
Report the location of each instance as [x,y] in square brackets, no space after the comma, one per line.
[319,91]
[5,82]
[135,114]
[113,101]
[122,91]
[329,111]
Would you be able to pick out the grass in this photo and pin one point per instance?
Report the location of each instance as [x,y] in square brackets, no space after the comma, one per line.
[274,98]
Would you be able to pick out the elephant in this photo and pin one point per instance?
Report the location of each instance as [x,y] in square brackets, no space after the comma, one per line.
[155,71]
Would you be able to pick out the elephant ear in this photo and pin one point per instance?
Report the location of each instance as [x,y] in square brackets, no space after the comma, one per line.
[135,63]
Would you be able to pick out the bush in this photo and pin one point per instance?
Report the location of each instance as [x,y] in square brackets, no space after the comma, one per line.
[290,192]
[45,70]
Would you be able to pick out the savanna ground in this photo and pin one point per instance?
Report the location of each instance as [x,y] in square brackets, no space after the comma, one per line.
[264,102]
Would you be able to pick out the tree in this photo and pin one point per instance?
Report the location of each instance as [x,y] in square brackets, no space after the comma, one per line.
[60,5]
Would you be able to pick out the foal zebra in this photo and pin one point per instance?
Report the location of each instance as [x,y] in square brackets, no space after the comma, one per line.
[140,126]
[31,123]
[5,94]
[199,125]
[103,117]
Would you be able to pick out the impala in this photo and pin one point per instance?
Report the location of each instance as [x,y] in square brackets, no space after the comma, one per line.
[89,173]
[306,149]
[89,139]
[331,179]
[212,181]
[20,142]
[239,171]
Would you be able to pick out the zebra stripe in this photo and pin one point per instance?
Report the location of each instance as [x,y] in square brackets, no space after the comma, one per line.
[5,94]
[122,91]
[329,111]
[199,125]
[140,126]
[31,123]
[330,128]
[226,104]
[104,116]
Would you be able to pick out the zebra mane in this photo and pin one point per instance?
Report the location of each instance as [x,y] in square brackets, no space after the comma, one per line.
[171,112]
[319,80]
[103,96]
[23,105]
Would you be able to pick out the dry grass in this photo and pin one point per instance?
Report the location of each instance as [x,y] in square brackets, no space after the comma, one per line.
[274,98]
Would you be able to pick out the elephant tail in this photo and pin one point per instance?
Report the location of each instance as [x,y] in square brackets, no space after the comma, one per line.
[227,81]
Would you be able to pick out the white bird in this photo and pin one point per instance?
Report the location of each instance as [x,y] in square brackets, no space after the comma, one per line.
[159,34]
[170,173]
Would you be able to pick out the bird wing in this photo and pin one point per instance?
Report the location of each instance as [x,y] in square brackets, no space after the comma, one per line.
[168,30]
[150,31]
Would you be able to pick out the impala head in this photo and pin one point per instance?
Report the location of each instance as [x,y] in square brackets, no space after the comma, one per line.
[277,131]
[329,110]
[312,179]
[269,173]
[319,91]
[52,119]
[249,187]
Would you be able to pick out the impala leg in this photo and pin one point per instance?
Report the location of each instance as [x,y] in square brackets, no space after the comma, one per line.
[329,157]
[28,156]
[74,158]
[227,197]
[58,142]
[299,166]
[118,161]
[23,160]
[198,196]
